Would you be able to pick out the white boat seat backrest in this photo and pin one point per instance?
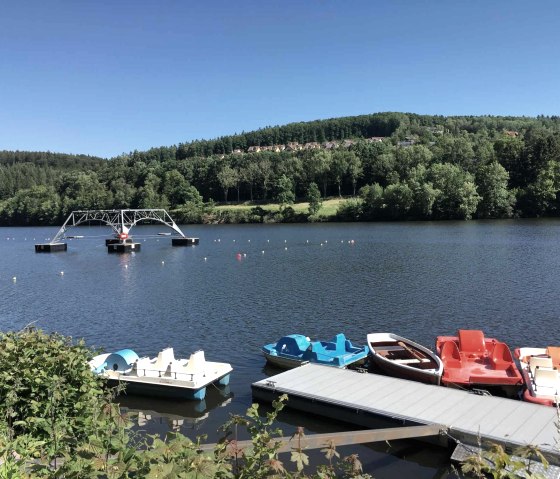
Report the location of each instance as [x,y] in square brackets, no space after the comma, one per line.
[164,358]
[546,377]
[196,363]
[540,361]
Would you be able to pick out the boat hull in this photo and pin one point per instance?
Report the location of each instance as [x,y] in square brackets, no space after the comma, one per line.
[400,357]
[164,388]
[283,362]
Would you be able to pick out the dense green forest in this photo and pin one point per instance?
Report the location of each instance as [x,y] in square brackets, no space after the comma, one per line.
[389,166]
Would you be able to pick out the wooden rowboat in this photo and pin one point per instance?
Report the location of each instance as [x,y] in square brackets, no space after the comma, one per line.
[396,356]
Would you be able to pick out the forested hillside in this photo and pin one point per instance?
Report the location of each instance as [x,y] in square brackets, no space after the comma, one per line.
[388,165]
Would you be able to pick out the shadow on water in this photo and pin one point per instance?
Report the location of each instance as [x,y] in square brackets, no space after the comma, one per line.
[158,416]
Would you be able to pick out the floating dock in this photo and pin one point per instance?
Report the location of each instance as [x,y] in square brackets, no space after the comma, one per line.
[370,399]
[184,241]
[50,247]
[123,247]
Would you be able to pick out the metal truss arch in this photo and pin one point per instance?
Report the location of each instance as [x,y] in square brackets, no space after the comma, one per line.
[120,221]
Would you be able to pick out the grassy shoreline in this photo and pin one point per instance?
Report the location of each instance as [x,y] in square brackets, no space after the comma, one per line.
[328,208]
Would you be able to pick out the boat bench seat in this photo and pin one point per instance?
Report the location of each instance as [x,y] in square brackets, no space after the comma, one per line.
[501,357]
[389,348]
[410,361]
[471,341]
[546,380]
[539,361]
[450,355]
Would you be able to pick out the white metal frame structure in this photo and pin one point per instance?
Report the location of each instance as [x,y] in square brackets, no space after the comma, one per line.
[121,221]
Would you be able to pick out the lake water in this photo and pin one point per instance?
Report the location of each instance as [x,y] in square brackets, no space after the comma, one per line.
[247,285]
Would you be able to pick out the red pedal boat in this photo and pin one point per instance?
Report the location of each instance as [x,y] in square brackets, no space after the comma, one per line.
[472,361]
[539,367]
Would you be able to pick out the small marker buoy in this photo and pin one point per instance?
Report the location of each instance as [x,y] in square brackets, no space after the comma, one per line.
[268,241]
[14,279]
[285,248]
[248,241]
[262,251]
[205,258]
[125,266]
[234,241]
[238,256]
[285,241]
[244,255]
[163,262]
[61,273]
[219,240]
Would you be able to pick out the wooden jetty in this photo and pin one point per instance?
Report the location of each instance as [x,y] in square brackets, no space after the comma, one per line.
[370,399]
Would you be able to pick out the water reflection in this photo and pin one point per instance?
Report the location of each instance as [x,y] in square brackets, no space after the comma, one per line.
[158,416]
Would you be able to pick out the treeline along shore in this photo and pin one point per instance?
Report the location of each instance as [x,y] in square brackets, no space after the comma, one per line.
[383,166]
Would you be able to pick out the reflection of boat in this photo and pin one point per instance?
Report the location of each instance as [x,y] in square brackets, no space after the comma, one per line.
[539,367]
[295,349]
[400,357]
[155,413]
[162,376]
[472,361]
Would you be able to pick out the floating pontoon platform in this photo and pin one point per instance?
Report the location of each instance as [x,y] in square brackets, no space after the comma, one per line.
[369,400]
[50,247]
[184,241]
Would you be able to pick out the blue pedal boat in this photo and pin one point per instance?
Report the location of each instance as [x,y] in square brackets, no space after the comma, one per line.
[296,349]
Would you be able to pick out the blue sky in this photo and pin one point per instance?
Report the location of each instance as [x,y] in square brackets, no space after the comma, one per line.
[105,77]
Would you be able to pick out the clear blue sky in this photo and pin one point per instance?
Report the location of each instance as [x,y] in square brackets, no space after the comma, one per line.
[103,77]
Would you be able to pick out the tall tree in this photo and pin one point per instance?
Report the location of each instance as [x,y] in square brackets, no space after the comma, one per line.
[496,199]
[458,198]
[319,166]
[284,191]
[314,198]
[228,178]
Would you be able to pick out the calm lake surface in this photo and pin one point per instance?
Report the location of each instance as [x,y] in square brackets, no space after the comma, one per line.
[247,285]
